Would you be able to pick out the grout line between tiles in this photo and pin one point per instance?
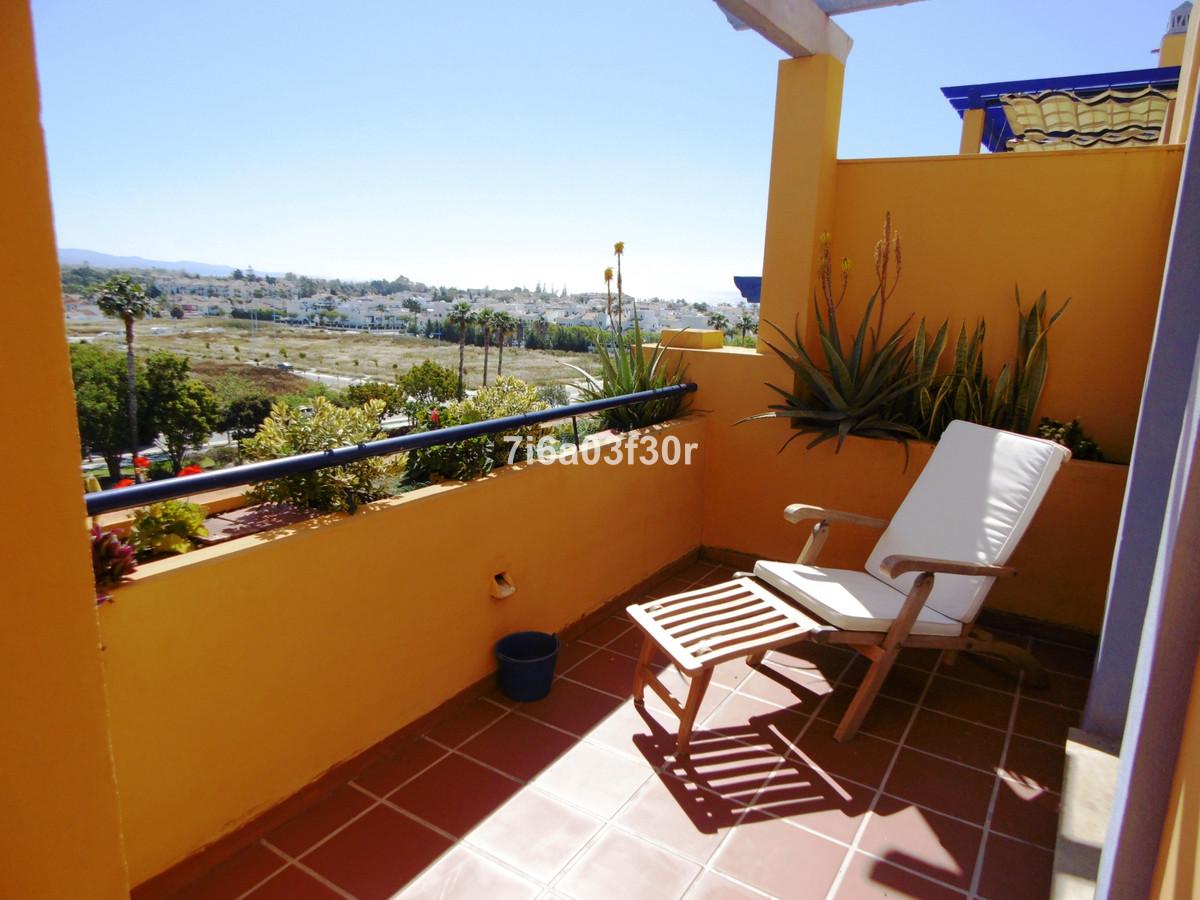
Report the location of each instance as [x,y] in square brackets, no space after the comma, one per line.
[840,876]
[259,884]
[316,876]
[987,821]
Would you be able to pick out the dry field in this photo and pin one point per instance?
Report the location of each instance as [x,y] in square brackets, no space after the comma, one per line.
[346,354]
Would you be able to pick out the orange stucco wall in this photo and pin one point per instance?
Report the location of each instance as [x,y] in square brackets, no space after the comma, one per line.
[60,835]
[239,673]
[1092,226]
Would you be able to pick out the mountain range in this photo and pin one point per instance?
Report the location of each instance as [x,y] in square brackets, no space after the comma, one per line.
[72,256]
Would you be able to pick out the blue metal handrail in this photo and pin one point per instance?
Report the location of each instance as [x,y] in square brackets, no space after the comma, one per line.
[250,473]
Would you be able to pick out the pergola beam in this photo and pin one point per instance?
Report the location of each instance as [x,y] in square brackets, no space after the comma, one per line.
[797,27]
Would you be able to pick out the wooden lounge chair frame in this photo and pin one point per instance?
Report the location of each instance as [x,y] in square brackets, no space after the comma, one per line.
[702,628]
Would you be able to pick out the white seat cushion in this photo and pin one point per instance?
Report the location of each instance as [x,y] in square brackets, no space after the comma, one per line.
[854,601]
[971,503]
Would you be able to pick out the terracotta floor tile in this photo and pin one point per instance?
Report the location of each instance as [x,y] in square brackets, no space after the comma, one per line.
[733,768]
[983,671]
[519,746]
[867,878]
[806,658]
[297,835]
[902,683]
[863,758]
[1035,762]
[1015,871]
[604,631]
[925,842]
[572,706]
[969,701]
[678,686]
[464,873]
[1063,690]
[607,671]
[378,854]
[620,865]
[642,732]
[829,805]
[713,886]
[780,859]
[887,718]
[1067,660]
[1026,812]
[572,654]
[293,884]
[954,739]
[1045,721]
[941,786]
[456,794]
[388,774]
[740,711]
[535,833]
[629,643]
[681,816]
[786,688]
[235,876]
[464,723]
[673,585]
[593,778]
[919,658]
[732,673]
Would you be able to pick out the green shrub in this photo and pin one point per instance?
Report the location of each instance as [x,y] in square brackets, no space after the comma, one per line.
[160,469]
[464,460]
[288,431]
[554,394]
[166,528]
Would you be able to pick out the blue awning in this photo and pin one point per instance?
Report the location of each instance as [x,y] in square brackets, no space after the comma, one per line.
[996,130]
[750,286]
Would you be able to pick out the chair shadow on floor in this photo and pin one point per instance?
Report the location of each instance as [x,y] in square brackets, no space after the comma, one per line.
[741,775]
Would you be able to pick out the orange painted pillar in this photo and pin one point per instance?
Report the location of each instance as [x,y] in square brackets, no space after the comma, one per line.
[61,835]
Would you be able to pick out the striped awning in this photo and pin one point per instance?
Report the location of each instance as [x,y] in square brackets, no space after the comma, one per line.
[1067,120]
[1106,109]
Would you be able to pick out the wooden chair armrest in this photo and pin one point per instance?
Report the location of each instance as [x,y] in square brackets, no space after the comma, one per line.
[800,512]
[898,564]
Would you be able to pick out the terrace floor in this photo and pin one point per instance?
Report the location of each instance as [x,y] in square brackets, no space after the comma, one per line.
[950,790]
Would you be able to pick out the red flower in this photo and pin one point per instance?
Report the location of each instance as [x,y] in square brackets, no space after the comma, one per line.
[140,462]
[435,417]
[124,482]
[190,470]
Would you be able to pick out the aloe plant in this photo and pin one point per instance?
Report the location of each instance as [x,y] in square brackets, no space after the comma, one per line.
[626,367]
[867,389]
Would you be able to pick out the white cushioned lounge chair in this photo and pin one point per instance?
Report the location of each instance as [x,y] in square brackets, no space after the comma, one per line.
[923,585]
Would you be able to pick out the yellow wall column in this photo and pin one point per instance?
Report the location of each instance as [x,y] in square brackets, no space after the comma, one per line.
[808,105]
[61,831]
[972,131]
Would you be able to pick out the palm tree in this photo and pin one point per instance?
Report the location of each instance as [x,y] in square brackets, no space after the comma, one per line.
[487,321]
[746,322]
[719,321]
[460,316]
[506,326]
[123,298]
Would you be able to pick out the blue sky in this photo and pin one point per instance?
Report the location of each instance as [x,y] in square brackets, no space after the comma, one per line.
[486,143]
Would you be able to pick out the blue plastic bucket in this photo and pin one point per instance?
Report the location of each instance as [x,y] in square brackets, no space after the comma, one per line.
[526,664]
